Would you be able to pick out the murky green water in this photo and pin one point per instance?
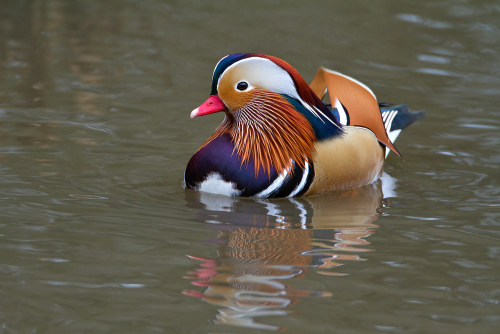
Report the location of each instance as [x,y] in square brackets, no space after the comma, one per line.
[97,234]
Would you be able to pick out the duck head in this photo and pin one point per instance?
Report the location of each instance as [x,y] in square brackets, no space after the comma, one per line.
[271,114]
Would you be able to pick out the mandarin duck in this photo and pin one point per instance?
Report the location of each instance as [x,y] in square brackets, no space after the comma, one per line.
[278,139]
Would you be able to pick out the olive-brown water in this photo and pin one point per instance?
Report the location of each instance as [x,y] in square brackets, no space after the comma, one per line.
[97,234]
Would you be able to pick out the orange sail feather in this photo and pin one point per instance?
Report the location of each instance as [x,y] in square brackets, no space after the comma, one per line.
[359,100]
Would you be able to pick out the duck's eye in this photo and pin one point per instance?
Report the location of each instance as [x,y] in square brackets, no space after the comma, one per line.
[242,85]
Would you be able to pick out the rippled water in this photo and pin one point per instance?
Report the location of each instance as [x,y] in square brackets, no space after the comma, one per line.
[97,234]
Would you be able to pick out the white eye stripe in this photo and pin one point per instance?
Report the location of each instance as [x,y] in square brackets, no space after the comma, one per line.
[264,73]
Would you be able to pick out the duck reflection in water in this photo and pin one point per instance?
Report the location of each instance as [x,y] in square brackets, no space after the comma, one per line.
[264,244]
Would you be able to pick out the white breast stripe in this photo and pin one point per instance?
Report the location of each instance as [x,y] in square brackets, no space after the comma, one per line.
[303,181]
[277,183]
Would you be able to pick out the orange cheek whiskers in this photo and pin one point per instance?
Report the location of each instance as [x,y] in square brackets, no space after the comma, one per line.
[269,131]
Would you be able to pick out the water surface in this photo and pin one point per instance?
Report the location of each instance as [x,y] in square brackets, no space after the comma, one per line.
[97,234]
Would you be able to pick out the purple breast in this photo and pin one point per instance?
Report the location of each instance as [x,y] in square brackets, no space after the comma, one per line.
[219,156]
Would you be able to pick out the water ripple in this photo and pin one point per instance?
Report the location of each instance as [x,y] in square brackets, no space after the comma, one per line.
[417,19]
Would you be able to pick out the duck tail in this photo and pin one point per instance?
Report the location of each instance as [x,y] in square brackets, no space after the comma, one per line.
[397,118]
